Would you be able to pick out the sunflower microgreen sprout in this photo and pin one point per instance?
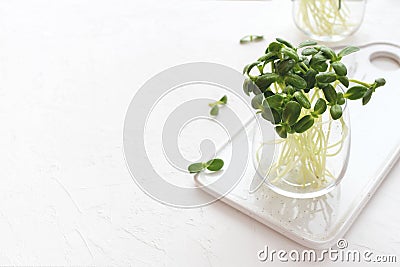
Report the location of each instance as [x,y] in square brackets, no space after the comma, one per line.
[293,72]
[211,165]
[215,105]
[251,38]
[292,87]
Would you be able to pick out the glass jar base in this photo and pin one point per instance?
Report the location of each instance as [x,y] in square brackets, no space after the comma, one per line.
[301,192]
[327,38]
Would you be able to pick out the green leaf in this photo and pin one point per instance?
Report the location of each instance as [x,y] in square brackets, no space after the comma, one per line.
[330,94]
[302,99]
[281,131]
[289,90]
[290,53]
[274,101]
[340,98]
[328,53]
[355,92]
[336,111]
[251,38]
[380,82]
[268,93]
[196,167]
[215,164]
[256,90]
[304,124]
[248,86]
[347,51]
[306,61]
[344,80]
[214,110]
[295,81]
[367,96]
[320,106]
[309,51]
[322,67]
[224,99]
[249,67]
[291,112]
[318,62]
[257,101]
[274,47]
[307,43]
[284,42]
[265,80]
[268,57]
[271,115]
[339,68]
[285,66]
[310,78]
[327,77]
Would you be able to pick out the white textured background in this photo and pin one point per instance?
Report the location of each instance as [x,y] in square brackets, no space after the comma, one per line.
[68,70]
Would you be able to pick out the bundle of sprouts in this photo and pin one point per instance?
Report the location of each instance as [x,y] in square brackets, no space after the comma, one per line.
[298,90]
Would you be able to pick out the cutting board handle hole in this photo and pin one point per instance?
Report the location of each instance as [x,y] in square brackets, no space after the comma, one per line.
[384,60]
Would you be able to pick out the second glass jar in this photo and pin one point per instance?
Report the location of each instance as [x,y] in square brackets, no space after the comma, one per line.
[328,20]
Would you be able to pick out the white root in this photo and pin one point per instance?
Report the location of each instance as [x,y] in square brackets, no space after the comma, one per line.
[305,155]
[324,17]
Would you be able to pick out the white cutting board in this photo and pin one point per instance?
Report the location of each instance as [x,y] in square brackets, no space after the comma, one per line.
[375,131]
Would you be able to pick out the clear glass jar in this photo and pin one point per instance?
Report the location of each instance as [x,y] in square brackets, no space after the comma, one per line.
[308,164]
[328,20]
